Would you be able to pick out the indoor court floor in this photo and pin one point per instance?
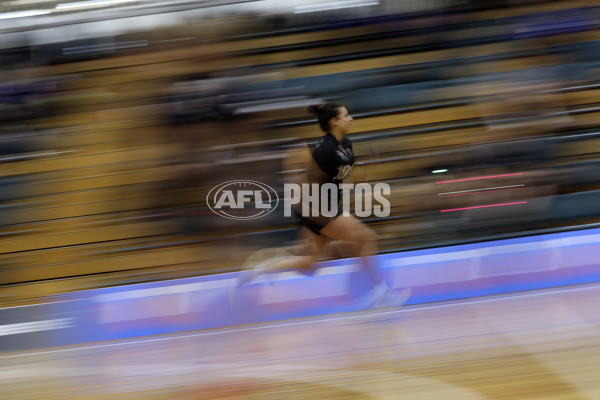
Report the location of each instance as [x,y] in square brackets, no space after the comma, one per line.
[531,345]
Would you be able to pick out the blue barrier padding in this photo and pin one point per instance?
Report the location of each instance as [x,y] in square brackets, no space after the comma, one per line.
[439,274]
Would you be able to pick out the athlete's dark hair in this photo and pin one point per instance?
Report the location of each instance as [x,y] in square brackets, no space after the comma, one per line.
[325,112]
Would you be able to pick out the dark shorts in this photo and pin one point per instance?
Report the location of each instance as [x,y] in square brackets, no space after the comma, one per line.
[315,224]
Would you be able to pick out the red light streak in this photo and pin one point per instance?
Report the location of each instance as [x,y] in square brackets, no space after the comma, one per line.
[485,206]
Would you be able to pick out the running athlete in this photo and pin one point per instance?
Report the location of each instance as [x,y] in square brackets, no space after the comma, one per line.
[330,161]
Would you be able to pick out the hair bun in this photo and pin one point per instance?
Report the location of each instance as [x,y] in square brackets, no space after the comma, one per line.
[315,109]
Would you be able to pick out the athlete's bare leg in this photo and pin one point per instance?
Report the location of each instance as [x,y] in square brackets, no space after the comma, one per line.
[349,229]
[311,250]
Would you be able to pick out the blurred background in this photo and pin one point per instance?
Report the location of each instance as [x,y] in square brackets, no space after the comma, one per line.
[118,116]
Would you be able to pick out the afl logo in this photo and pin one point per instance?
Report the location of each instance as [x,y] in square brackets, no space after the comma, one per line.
[242,199]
